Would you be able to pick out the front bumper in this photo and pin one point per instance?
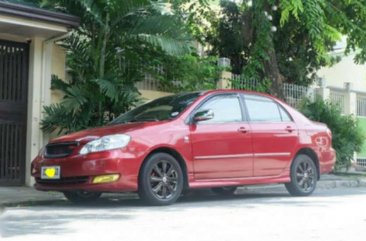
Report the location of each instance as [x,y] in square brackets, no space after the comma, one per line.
[78,171]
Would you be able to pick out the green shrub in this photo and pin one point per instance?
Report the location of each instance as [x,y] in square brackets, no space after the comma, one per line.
[347,135]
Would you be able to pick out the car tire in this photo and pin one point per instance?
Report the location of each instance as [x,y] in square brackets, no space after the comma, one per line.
[224,190]
[304,176]
[161,180]
[81,196]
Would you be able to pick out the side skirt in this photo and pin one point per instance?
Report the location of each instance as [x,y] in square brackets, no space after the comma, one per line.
[207,183]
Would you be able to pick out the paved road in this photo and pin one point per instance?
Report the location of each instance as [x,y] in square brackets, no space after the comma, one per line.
[335,214]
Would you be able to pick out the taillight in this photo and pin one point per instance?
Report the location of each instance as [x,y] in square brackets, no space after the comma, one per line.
[329,132]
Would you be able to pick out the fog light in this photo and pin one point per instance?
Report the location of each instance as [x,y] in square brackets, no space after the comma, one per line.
[105,178]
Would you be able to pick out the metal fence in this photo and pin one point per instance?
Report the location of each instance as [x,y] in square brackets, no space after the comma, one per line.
[239,82]
[338,98]
[361,105]
[294,94]
[361,162]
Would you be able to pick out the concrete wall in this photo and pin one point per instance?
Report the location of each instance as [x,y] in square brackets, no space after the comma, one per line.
[152,94]
[45,59]
[58,68]
[345,71]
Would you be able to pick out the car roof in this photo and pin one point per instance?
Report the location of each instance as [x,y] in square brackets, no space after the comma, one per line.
[238,91]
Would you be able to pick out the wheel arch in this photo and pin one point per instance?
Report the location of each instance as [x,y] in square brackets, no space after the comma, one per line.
[312,154]
[176,155]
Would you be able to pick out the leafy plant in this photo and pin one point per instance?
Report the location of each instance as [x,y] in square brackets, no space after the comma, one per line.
[106,56]
[188,73]
[347,136]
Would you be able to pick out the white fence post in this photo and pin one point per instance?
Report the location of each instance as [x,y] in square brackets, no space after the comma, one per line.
[323,91]
[225,80]
[351,100]
[225,77]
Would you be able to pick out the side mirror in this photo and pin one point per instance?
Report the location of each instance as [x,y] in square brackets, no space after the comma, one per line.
[203,115]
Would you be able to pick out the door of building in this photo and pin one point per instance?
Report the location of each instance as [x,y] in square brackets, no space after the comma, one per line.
[13,111]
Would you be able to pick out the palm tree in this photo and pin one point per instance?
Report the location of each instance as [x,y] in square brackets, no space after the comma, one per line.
[106,55]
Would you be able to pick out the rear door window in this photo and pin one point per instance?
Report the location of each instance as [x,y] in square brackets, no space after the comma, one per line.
[262,109]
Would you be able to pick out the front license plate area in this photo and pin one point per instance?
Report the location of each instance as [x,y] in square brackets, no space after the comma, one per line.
[51,172]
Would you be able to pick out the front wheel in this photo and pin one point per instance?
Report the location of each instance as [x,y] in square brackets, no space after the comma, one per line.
[82,196]
[304,176]
[161,180]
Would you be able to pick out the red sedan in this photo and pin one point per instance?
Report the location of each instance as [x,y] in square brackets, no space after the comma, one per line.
[218,139]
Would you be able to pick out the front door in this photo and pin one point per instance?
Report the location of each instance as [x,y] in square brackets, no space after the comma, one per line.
[222,147]
[13,111]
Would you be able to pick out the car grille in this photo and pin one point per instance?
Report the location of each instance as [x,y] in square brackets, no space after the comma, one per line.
[63,181]
[56,150]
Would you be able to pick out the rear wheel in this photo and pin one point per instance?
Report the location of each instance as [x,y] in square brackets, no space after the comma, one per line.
[304,176]
[82,196]
[223,190]
[161,180]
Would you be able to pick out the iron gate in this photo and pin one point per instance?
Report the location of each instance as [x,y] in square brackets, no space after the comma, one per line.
[13,111]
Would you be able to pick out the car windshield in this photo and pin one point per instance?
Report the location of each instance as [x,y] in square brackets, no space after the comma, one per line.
[164,108]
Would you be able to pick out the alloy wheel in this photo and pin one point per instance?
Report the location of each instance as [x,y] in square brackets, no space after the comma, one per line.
[305,176]
[164,180]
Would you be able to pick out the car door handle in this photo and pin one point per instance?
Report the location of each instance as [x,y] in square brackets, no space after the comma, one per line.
[242,130]
[289,128]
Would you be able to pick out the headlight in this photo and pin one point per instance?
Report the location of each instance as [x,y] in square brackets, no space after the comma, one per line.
[106,143]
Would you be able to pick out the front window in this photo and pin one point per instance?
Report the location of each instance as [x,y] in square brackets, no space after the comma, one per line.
[226,108]
[165,108]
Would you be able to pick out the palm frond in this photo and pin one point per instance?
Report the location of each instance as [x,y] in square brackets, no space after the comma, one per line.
[58,84]
[58,119]
[108,88]
[164,31]
[169,45]
[74,99]
[127,8]
[166,25]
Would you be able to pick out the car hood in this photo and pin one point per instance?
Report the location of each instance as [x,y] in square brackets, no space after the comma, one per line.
[94,133]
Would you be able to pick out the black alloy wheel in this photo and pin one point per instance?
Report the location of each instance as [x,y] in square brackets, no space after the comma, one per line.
[304,176]
[161,180]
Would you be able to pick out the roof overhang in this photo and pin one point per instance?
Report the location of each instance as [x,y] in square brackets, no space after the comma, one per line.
[21,20]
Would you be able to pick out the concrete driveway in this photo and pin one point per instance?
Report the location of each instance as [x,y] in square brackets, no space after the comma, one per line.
[252,214]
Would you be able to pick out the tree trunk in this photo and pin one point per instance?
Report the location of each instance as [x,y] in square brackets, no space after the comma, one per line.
[271,68]
[272,71]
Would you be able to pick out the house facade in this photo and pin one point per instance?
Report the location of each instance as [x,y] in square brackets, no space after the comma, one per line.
[28,58]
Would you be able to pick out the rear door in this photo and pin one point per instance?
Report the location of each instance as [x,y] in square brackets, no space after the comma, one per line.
[274,134]
[222,146]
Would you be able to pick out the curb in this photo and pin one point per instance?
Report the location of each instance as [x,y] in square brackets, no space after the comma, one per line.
[341,183]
